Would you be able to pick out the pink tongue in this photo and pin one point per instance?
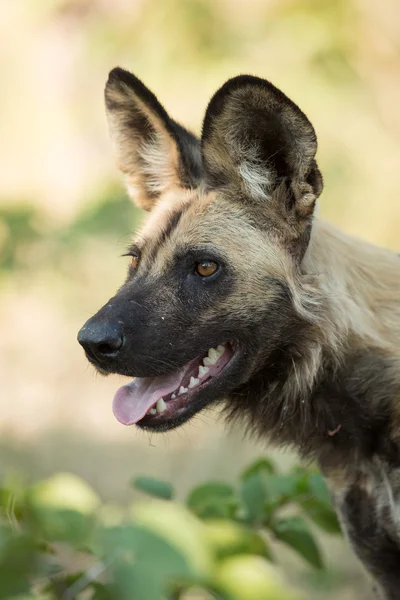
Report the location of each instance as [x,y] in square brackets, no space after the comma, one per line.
[132,401]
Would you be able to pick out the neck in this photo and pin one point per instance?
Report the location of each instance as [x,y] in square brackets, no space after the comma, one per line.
[347,299]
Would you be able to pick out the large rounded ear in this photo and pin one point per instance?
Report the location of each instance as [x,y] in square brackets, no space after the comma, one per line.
[153,152]
[260,145]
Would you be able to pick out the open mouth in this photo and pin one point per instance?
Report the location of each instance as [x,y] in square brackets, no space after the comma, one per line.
[151,401]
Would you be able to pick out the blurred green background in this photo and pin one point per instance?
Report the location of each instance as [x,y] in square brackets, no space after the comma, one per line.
[65,220]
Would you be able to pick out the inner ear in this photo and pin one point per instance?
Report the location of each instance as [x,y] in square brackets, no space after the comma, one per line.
[254,137]
[154,153]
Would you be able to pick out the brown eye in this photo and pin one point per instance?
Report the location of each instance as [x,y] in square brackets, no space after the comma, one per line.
[206,268]
[135,262]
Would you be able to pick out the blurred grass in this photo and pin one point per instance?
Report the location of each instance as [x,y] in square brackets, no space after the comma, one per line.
[65,221]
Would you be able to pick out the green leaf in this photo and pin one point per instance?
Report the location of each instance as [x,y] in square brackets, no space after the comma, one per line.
[264,491]
[143,562]
[262,465]
[320,490]
[18,562]
[63,491]
[281,487]
[227,538]
[322,516]
[61,525]
[303,483]
[101,592]
[134,581]
[295,533]
[212,500]
[154,487]
[254,497]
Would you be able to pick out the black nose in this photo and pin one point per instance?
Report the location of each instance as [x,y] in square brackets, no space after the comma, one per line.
[101,339]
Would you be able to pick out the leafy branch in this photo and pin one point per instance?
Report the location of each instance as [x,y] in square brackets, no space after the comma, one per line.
[222,540]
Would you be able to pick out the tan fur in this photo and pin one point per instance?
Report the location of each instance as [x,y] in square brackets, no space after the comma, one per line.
[162,209]
[360,282]
[211,218]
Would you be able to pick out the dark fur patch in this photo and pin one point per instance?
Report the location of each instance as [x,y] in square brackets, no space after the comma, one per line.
[191,167]
[358,396]
[314,179]
[264,117]
[373,539]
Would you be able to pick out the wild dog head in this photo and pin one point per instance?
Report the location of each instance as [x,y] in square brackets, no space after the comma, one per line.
[214,294]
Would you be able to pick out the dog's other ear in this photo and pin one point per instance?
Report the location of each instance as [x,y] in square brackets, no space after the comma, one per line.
[257,141]
[153,152]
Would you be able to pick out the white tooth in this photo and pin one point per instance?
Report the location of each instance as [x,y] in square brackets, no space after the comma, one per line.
[216,352]
[193,382]
[202,371]
[153,411]
[161,406]
[173,396]
[182,390]
[212,357]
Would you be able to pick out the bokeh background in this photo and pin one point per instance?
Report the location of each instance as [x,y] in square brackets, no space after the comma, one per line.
[65,220]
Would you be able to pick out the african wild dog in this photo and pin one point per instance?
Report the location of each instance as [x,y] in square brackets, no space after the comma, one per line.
[236,295]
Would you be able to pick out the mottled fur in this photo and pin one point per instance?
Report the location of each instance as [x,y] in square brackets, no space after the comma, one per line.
[314,313]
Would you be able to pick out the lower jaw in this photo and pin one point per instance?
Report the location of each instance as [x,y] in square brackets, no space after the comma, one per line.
[174,416]
[164,423]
